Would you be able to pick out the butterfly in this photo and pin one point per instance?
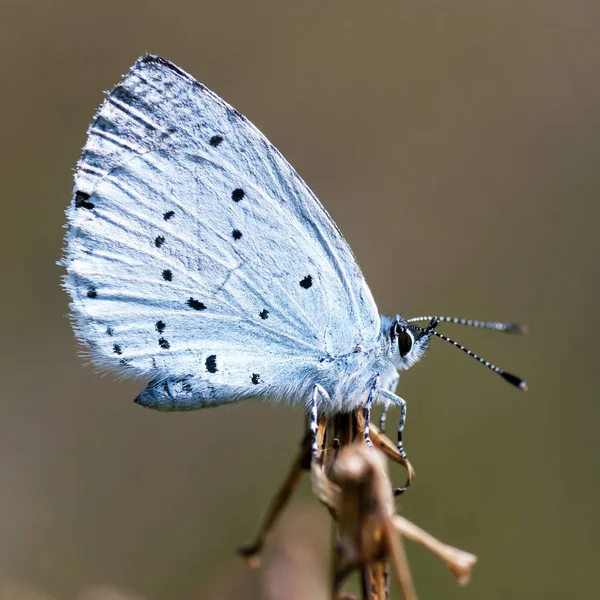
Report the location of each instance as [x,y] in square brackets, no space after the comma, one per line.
[197,258]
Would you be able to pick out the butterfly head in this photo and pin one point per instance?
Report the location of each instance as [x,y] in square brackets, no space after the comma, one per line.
[408,343]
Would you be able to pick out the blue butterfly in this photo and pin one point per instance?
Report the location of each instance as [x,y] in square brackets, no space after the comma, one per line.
[197,258]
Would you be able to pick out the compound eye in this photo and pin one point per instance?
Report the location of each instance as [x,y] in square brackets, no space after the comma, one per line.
[405,342]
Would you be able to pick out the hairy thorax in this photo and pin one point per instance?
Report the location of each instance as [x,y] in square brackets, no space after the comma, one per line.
[348,378]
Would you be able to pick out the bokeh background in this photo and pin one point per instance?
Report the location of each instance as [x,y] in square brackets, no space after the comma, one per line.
[457,146]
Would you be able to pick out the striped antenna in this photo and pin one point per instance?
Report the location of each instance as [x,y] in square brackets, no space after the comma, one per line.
[506,327]
[516,381]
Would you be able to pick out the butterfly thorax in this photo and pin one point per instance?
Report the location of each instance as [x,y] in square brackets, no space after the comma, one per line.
[348,377]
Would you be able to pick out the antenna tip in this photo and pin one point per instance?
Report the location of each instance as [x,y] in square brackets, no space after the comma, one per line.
[516,328]
[516,381]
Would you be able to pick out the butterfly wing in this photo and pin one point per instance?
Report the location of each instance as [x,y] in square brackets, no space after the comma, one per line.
[194,250]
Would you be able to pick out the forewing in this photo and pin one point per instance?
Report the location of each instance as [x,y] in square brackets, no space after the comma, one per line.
[191,237]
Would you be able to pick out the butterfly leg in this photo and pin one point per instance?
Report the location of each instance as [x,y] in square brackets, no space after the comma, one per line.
[318,390]
[392,398]
[367,410]
[391,386]
[383,417]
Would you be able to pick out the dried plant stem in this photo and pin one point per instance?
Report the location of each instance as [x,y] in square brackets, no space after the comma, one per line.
[363,504]
[352,481]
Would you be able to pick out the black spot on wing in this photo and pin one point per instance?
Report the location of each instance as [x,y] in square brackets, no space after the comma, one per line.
[306,282]
[81,200]
[159,241]
[164,344]
[117,349]
[167,275]
[160,326]
[211,363]
[168,215]
[264,314]
[237,194]
[215,140]
[236,234]
[92,293]
[195,304]
[255,378]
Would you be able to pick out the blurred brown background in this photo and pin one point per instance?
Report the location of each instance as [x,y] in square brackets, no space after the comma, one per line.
[457,146]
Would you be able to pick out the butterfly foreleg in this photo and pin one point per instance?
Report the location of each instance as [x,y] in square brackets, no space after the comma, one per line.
[367,409]
[391,387]
[391,398]
[318,390]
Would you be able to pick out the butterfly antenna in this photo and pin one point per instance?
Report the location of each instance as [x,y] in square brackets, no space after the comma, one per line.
[506,327]
[516,381]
